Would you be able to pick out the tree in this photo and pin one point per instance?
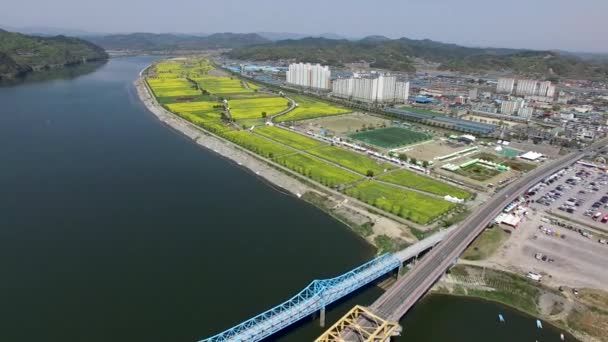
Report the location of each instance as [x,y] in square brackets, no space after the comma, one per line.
[402,157]
[425,164]
[370,173]
[263,114]
[288,103]
[413,161]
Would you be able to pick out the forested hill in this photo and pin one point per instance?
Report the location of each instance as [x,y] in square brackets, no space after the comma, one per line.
[399,54]
[170,42]
[20,54]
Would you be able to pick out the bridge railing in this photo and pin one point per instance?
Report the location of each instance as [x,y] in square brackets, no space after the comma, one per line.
[312,298]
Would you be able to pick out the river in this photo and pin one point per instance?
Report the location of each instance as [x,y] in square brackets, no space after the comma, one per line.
[117,228]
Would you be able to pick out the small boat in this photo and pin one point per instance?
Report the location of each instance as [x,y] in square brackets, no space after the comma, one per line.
[561,336]
[501,318]
[539,324]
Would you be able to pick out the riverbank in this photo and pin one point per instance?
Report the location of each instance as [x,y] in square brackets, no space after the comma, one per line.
[583,315]
[375,228]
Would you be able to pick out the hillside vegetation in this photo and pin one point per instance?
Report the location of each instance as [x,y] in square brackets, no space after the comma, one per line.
[164,42]
[20,54]
[399,55]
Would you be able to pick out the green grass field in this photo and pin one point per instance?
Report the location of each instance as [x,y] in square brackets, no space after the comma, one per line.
[221,85]
[253,108]
[318,170]
[351,160]
[407,204]
[310,108]
[289,138]
[390,137]
[258,145]
[416,181]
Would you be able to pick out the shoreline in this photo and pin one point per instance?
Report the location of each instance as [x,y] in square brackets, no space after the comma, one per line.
[504,287]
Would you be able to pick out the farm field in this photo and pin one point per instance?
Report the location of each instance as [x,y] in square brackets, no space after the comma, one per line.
[221,85]
[350,160]
[180,68]
[172,87]
[407,204]
[318,170]
[286,137]
[413,180]
[390,137]
[191,106]
[253,108]
[309,109]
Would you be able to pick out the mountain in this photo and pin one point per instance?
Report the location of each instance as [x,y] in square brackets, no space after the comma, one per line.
[167,41]
[375,39]
[398,54]
[20,54]
[276,36]
[45,31]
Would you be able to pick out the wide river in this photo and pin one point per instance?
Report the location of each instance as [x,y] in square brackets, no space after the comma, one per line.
[116,228]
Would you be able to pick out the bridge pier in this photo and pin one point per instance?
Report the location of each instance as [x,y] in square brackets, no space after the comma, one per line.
[322,317]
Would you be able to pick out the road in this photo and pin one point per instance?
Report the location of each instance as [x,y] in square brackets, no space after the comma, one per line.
[395,302]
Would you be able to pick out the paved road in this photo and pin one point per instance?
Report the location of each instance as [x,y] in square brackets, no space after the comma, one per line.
[395,302]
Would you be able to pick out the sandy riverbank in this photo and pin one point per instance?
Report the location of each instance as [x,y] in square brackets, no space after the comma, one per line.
[339,206]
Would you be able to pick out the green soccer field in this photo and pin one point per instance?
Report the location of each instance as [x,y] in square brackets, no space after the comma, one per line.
[391,137]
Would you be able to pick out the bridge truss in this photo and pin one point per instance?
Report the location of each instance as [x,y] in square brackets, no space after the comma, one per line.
[360,325]
[315,297]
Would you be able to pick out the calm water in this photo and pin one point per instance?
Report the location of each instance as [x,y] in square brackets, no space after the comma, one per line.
[116,228]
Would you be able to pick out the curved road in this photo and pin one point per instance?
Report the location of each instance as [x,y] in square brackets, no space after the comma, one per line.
[395,302]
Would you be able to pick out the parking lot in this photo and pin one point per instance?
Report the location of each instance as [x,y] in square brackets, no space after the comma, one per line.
[579,194]
[563,255]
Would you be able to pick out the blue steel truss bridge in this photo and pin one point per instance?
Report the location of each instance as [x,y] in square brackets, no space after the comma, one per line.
[321,293]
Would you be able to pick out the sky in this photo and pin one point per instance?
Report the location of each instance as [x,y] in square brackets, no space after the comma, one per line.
[575,25]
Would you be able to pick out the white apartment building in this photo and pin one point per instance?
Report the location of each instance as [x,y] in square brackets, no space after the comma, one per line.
[505,85]
[525,112]
[526,87]
[309,75]
[382,89]
[546,89]
[511,107]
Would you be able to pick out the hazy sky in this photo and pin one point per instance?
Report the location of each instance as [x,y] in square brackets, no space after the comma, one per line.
[579,25]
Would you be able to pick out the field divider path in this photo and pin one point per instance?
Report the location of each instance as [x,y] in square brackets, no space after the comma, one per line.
[292,106]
